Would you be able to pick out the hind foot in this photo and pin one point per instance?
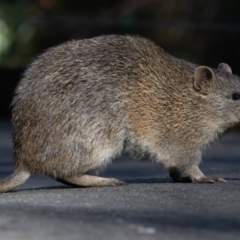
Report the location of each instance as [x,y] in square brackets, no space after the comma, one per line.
[91,181]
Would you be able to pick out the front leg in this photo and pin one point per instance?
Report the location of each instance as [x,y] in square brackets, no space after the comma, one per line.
[193,174]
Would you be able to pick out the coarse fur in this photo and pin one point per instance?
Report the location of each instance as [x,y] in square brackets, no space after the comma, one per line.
[82,103]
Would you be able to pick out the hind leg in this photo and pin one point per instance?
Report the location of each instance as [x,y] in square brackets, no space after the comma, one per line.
[91,181]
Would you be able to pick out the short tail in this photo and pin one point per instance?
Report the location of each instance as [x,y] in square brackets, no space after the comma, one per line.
[15,180]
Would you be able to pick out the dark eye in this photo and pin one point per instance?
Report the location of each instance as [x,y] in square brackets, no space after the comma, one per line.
[236,96]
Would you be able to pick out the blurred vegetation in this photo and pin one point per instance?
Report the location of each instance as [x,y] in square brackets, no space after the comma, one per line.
[205,32]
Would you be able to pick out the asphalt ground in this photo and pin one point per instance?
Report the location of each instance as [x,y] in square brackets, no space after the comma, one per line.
[151,206]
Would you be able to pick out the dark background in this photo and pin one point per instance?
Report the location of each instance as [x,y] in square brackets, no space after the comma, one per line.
[203,32]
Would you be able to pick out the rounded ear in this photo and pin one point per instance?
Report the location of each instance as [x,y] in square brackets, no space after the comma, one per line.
[203,79]
[225,67]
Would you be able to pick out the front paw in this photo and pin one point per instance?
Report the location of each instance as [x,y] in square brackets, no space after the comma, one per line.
[209,180]
[195,175]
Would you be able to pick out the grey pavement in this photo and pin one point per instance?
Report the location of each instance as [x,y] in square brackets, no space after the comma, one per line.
[151,206]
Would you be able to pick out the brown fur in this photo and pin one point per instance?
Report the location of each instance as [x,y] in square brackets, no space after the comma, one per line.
[81,104]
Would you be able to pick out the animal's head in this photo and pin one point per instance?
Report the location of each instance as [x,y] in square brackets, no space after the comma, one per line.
[221,89]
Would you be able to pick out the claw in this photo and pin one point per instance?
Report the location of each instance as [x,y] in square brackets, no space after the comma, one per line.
[115,182]
[220,180]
